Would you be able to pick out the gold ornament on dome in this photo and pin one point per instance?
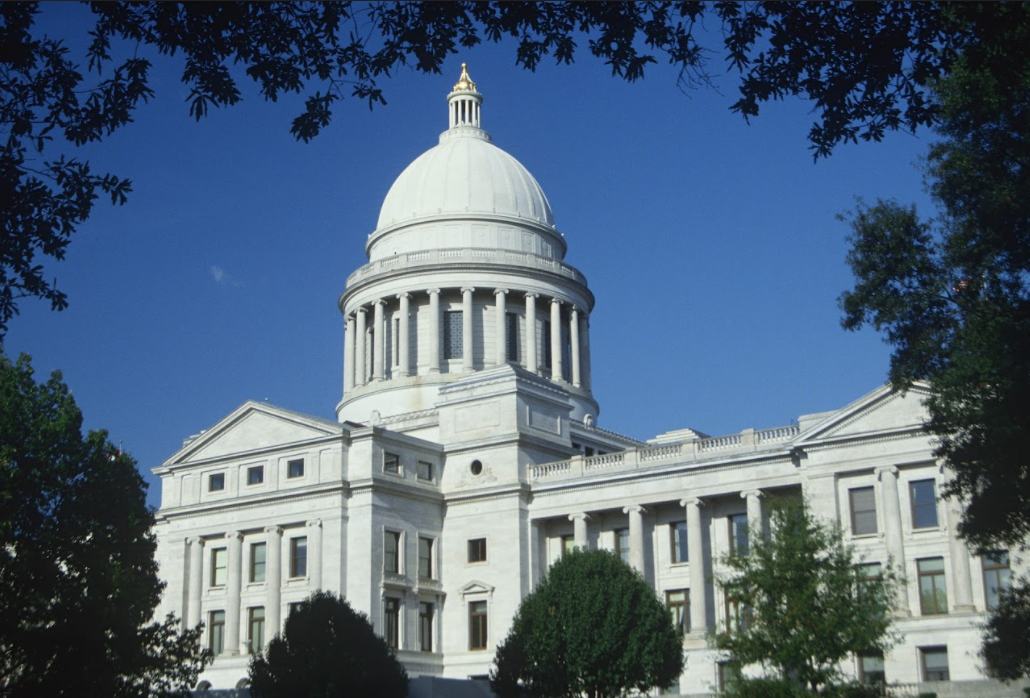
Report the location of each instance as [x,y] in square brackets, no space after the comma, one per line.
[464,83]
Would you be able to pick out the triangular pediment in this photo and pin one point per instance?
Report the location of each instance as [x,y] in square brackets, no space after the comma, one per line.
[476,587]
[883,410]
[251,427]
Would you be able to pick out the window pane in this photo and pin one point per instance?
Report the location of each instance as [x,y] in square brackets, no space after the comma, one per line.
[924,504]
[452,334]
[219,557]
[933,595]
[391,556]
[997,577]
[216,631]
[425,558]
[863,510]
[391,621]
[738,534]
[511,335]
[679,541]
[216,482]
[425,470]
[257,562]
[425,627]
[255,475]
[545,337]
[391,463]
[870,669]
[298,557]
[477,625]
[935,664]
[678,602]
[295,468]
[622,544]
[477,550]
[256,629]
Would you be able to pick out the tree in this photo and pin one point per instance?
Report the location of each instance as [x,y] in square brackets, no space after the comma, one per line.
[952,296]
[866,67]
[592,627]
[78,580]
[327,649]
[802,604]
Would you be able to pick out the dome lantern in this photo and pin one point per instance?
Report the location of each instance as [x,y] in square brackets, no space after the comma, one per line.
[464,102]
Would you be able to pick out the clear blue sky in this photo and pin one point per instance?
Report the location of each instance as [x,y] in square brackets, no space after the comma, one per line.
[711,246]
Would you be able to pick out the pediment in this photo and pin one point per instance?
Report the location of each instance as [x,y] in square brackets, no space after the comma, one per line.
[882,410]
[475,587]
[254,426]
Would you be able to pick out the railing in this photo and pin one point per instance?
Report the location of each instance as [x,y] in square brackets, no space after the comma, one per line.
[649,456]
[472,254]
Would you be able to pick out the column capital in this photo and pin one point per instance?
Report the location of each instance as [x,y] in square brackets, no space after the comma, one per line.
[530,295]
[432,291]
[751,493]
[579,515]
[634,508]
[379,301]
[498,291]
[349,317]
[360,309]
[692,501]
[881,469]
[573,308]
[556,300]
[405,294]
[468,289]
[234,535]
[278,530]
[314,523]
[195,540]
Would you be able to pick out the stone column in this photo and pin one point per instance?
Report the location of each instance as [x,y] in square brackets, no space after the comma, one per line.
[500,321]
[434,330]
[585,351]
[698,568]
[379,342]
[531,362]
[404,361]
[466,328]
[636,536]
[348,355]
[754,512]
[574,340]
[555,339]
[273,580]
[579,523]
[233,582]
[959,558]
[892,529]
[196,582]
[360,369]
[315,553]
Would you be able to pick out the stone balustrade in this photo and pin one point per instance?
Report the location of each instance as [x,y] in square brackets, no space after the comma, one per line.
[407,260]
[647,456]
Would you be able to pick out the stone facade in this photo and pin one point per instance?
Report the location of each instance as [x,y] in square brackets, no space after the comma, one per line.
[466,456]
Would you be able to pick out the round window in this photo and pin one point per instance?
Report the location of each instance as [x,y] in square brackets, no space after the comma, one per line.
[476,467]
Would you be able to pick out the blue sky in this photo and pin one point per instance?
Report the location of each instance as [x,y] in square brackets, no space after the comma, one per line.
[711,246]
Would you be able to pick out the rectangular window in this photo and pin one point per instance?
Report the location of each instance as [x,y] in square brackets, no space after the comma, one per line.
[868,573]
[935,663]
[219,566]
[257,562]
[425,558]
[452,334]
[216,482]
[391,463]
[425,627]
[391,552]
[256,628]
[568,542]
[545,337]
[863,510]
[392,622]
[678,541]
[477,625]
[924,503]
[997,577]
[729,675]
[292,607]
[425,471]
[299,557]
[870,669]
[295,468]
[738,615]
[933,595]
[678,602]
[256,475]
[477,550]
[216,632]
[622,544]
[511,336]
[738,534]
[395,343]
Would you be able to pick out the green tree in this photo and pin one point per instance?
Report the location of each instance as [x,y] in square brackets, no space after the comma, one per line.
[592,627]
[865,66]
[78,580]
[327,649]
[952,297]
[801,603]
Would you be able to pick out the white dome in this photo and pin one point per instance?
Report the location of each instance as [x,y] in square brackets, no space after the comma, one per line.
[465,174]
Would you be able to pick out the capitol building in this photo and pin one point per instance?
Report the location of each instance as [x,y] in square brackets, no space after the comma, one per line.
[466,455]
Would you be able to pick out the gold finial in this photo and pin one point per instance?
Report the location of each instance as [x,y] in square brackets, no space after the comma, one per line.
[464,83]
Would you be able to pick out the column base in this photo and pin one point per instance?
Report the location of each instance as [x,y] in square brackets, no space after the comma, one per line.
[695,640]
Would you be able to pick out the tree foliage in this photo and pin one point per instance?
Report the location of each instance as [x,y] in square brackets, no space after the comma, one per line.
[865,66]
[952,296]
[805,607]
[592,627]
[327,649]
[78,580]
